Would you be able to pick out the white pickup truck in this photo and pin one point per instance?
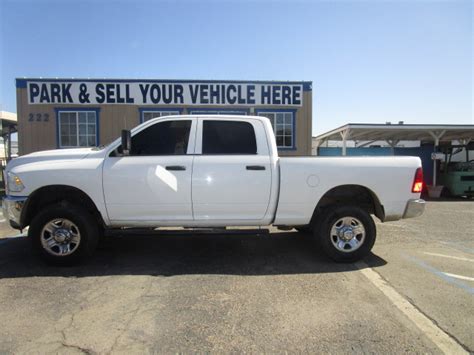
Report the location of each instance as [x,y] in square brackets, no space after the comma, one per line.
[204,171]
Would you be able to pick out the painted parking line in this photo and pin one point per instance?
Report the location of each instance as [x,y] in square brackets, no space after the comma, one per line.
[453,281]
[460,277]
[449,256]
[459,247]
[441,339]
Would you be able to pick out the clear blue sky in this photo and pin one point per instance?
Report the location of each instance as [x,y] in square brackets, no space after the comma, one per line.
[370,61]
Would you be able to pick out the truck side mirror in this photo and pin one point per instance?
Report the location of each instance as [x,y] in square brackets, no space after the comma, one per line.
[126,142]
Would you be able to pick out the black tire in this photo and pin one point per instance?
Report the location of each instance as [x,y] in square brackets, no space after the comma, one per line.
[446,193]
[87,227]
[334,214]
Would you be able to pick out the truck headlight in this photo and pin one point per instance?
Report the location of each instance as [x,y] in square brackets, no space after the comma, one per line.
[14,183]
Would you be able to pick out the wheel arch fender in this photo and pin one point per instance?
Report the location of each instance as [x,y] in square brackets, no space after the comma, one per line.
[350,194]
[51,194]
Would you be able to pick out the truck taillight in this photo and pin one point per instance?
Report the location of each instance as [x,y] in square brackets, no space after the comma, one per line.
[418,181]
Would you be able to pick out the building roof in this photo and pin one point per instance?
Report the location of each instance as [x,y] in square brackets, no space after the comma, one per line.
[8,116]
[398,132]
[8,122]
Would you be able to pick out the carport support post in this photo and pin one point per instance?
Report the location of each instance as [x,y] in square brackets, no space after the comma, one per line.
[5,149]
[436,137]
[9,154]
[317,144]
[393,143]
[465,142]
[345,136]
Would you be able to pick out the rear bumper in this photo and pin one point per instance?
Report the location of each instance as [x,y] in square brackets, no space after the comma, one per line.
[12,207]
[414,208]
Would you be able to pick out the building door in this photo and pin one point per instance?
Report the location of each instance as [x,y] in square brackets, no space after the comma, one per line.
[153,183]
[231,180]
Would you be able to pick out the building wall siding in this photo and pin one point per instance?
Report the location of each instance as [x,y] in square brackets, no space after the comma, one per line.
[37,123]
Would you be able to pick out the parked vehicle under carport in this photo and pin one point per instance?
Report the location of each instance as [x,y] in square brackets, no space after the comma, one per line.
[457,177]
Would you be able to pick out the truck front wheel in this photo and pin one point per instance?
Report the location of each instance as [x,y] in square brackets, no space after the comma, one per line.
[64,234]
[346,233]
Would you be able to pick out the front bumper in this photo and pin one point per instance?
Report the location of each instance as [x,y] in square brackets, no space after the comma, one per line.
[414,208]
[12,207]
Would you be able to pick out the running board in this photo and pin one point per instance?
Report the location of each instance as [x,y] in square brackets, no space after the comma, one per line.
[183,231]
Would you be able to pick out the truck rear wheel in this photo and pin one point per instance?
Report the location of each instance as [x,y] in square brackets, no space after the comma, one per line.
[64,234]
[346,233]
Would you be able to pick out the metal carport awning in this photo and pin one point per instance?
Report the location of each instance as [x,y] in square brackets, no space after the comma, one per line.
[394,133]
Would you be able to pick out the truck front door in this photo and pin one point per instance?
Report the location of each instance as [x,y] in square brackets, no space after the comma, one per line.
[153,183]
[231,174]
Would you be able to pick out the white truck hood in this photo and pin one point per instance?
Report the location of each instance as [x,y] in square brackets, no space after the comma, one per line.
[49,155]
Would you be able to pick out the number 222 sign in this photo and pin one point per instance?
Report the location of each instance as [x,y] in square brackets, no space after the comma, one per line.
[38,117]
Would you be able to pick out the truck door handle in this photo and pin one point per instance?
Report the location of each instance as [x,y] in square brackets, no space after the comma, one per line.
[255,167]
[175,167]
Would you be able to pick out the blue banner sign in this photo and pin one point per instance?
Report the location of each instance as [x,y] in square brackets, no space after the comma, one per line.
[164,93]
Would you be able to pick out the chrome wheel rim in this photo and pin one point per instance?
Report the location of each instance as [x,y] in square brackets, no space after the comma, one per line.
[60,237]
[347,234]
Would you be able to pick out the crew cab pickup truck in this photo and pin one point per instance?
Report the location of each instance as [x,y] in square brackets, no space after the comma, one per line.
[205,171]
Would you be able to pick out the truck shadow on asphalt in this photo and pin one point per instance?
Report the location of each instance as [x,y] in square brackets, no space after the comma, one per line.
[169,255]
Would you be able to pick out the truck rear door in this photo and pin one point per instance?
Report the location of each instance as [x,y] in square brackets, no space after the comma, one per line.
[232,177]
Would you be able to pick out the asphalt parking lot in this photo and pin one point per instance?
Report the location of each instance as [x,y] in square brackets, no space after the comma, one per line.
[248,293]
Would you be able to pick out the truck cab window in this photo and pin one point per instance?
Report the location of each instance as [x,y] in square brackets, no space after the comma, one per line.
[228,137]
[164,138]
